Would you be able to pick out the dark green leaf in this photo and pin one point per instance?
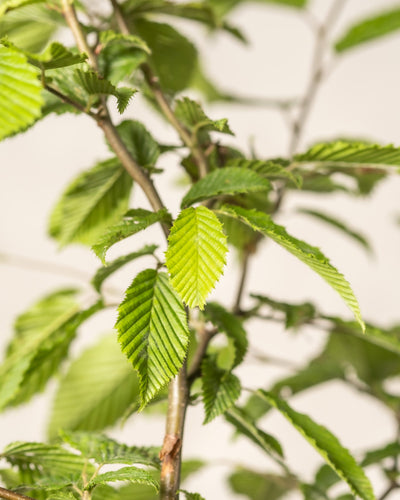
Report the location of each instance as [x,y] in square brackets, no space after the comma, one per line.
[139,142]
[257,486]
[296,315]
[380,454]
[193,117]
[270,169]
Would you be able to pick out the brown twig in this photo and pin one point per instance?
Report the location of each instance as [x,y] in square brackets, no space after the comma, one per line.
[12,495]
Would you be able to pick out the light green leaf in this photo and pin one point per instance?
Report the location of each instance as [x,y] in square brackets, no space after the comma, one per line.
[104,272]
[238,418]
[20,93]
[342,154]
[191,114]
[131,474]
[260,486]
[135,220]
[139,142]
[96,391]
[327,445]
[224,181]
[232,326]
[270,169]
[94,85]
[338,224]
[220,390]
[311,256]
[196,254]
[376,26]
[93,201]
[8,5]
[153,331]
[110,37]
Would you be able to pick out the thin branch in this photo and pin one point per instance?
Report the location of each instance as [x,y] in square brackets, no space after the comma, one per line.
[11,495]
[205,335]
[317,74]
[242,282]
[67,100]
[393,486]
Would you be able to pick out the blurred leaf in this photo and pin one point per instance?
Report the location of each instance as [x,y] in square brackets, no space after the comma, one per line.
[191,114]
[139,142]
[296,315]
[257,486]
[380,454]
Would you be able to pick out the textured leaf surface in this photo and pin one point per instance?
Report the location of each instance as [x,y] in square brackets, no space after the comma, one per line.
[191,114]
[377,26]
[351,154]
[131,474]
[311,256]
[135,220]
[220,390]
[327,445]
[104,272]
[270,169]
[153,331]
[139,142]
[20,92]
[196,254]
[96,390]
[257,486]
[228,180]
[96,199]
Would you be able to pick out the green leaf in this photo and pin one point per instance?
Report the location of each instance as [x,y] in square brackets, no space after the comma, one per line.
[140,142]
[191,496]
[257,486]
[232,326]
[93,201]
[327,445]
[20,93]
[338,224]
[135,220]
[220,390]
[380,454]
[270,169]
[42,338]
[96,391]
[238,418]
[342,154]
[131,474]
[104,272]
[153,331]
[193,117]
[311,256]
[94,85]
[8,5]
[225,181]
[196,254]
[373,27]
[169,49]
[104,450]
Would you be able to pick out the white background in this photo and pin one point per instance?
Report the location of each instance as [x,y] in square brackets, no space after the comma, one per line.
[360,99]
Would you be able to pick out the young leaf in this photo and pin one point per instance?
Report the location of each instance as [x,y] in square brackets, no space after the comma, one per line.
[193,117]
[220,390]
[104,272]
[373,27]
[96,390]
[311,256]
[96,199]
[196,254]
[327,445]
[258,486]
[153,331]
[20,92]
[227,180]
[232,326]
[135,220]
[140,142]
[131,474]
[338,224]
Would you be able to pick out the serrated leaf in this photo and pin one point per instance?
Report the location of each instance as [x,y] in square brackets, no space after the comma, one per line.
[311,256]
[93,201]
[225,181]
[342,154]
[376,26]
[191,114]
[220,390]
[91,82]
[196,254]
[135,220]
[270,169]
[96,390]
[327,445]
[104,272]
[153,331]
[131,474]
[232,326]
[338,224]
[258,486]
[242,423]
[104,450]
[20,92]
[139,142]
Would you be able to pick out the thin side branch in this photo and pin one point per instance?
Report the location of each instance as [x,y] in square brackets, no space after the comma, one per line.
[11,495]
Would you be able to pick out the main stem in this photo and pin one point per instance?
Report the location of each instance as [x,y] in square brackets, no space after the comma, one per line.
[11,495]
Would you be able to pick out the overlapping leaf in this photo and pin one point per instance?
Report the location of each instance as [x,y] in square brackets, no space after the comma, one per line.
[153,331]
[96,199]
[193,117]
[131,474]
[139,142]
[228,180]
[327,445]
[196,254]
[20,92]
[271,169]
[311,256]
